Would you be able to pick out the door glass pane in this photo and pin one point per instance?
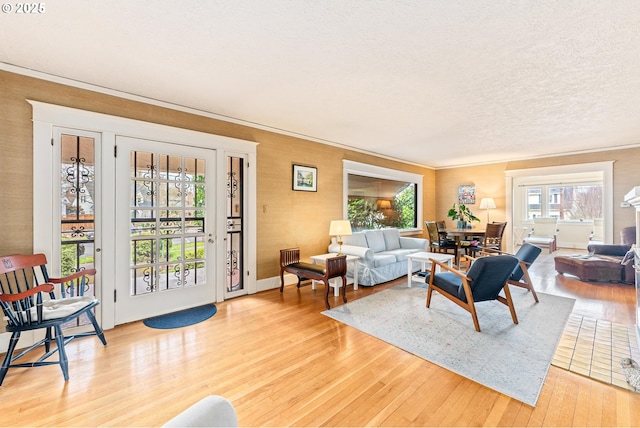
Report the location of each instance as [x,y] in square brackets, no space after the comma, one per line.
[234,208]
[167,222]
[77,194]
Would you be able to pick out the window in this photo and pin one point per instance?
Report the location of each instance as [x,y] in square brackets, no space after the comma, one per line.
[579,201]
[378,197]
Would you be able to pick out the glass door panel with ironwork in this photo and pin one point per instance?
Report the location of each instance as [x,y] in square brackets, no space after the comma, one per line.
[164,221]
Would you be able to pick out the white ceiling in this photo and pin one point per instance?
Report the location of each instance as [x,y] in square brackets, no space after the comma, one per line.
[439,83]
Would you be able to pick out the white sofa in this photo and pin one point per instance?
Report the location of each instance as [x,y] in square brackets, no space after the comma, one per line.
[383,254]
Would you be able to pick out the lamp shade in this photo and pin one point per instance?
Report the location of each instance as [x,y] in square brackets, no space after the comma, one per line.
[384,204]
[340,228]
[487,203]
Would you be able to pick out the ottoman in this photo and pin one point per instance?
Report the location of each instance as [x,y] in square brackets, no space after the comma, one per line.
[591,268]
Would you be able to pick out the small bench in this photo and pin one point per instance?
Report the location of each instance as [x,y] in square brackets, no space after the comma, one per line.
[335,267]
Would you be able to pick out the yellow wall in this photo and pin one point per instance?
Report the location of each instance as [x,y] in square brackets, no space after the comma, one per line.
[285,218]
[489,182]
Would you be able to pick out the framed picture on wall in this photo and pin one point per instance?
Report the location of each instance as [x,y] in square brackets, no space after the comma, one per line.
[467,194]
[305,178]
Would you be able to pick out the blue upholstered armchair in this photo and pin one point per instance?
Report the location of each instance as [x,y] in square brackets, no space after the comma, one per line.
[526,255]
[484,280]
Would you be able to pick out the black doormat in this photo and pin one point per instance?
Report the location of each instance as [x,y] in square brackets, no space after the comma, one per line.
[182,318]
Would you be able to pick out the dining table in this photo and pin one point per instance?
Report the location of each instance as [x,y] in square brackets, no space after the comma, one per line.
[459,236]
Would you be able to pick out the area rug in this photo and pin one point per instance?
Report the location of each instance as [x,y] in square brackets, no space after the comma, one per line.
[182,318]
[511,359]
[593,348]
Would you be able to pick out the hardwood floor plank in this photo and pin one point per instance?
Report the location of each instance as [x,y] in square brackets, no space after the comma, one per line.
[497,411]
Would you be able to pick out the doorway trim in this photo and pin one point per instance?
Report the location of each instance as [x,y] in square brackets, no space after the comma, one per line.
[46,116]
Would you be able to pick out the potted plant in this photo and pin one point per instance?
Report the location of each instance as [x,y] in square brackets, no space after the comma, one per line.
[462,214]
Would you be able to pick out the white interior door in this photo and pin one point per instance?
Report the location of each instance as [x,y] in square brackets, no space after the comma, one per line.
[165,228]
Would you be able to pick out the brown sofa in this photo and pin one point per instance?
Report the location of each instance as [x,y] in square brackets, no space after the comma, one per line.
[604,262]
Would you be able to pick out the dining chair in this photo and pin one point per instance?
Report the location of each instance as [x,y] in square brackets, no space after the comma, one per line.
[492,238]
[436,243]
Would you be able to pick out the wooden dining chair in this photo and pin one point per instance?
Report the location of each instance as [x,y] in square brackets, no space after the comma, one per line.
[31,300]
[436,243]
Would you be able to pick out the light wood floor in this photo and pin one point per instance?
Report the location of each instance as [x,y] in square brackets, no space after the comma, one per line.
[282,363]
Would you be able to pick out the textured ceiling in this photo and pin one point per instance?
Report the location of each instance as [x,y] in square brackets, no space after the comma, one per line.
[438,83]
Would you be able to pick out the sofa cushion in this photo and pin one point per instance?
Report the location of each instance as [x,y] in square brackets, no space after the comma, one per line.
[357,239]
[391,239]
[383,259]
[375,240]
[400,254]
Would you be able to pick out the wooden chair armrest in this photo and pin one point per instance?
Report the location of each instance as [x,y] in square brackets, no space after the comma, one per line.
[42,288]
[78,274]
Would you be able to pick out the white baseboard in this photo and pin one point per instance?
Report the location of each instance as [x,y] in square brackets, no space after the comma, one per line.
[274,282]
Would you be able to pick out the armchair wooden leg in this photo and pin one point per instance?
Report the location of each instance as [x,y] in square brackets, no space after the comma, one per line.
[97,327]
[471,307]
[474,315]
[13,342]
[62,354]
[509,303]
[529,285]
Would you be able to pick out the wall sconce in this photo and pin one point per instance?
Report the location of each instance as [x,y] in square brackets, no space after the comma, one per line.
[340,228]
[488,204]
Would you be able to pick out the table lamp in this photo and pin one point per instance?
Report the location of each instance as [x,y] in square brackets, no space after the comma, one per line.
[487,203]
[340,228]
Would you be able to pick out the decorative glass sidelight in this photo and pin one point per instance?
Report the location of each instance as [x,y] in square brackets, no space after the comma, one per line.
[77,210]
[167,222]
[234,210]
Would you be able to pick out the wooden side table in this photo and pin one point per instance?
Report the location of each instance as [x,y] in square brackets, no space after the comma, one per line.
[320,259]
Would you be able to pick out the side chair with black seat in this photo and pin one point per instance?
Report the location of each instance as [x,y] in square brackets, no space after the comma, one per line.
[31,300]
[436,243]
[492,239]
[442,231]
[484,281]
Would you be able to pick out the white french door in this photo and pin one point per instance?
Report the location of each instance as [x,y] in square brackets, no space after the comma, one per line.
[167,225]
[165,254]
